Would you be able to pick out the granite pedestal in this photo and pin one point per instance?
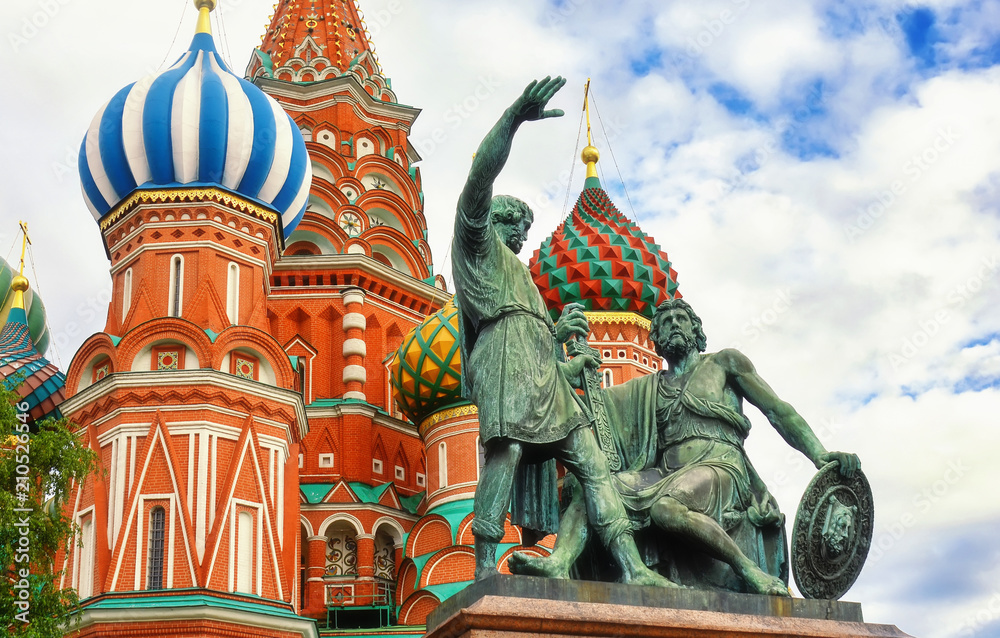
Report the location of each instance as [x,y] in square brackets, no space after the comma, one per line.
[527,607]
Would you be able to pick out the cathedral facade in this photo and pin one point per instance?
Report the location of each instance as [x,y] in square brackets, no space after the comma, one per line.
[276,397]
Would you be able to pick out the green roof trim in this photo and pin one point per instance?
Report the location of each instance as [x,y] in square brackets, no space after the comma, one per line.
[420,561]
[453,512]
[409,631]
[368,493]
[314,492]
[445,591]
[124,601]
[212,335]
[410,503]
[266,61]
[115,340]
[329,403]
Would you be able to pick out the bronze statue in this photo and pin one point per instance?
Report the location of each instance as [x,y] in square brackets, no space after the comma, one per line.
[686,475]
[513,368]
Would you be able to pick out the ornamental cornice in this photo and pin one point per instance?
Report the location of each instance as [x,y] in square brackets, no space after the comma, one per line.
[171,195]
[373,268]
[366,508]
[468,409]
[618,317]
[180,386]
[329,88]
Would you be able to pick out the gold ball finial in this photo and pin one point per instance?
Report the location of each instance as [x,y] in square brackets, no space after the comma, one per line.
[590,154]
[208,4]
[19,283]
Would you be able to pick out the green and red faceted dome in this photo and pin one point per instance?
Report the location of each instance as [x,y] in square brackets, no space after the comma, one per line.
[599,258]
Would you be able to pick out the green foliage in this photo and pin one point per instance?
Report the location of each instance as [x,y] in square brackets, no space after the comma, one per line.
[39,464]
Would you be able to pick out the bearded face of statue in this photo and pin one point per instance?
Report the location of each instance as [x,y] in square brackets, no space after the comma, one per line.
[511,218]
[513,234]
[676,330]
[679,344]
[674,337]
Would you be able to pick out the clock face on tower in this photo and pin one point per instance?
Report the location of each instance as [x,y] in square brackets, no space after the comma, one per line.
[351,224]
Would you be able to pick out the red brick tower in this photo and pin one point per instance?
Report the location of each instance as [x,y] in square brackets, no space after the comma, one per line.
[355,277]
[195,177]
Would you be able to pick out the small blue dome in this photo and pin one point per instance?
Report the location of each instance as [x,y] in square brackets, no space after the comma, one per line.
[196,124]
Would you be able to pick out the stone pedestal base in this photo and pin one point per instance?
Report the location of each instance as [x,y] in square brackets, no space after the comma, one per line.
[526,607]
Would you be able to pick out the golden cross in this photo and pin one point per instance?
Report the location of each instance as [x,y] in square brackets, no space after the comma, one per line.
[24,244]
[586,108]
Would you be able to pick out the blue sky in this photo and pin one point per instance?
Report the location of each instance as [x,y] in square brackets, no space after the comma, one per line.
[843,155]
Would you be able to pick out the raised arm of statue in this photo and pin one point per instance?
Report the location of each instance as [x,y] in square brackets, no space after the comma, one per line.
[474,202]
[785,419]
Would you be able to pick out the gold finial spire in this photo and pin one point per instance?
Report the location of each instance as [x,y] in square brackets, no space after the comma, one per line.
[19,283]
[204,8]
[590,154]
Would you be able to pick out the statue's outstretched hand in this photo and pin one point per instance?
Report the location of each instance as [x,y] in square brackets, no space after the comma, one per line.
[531,104]
[849,463]
[572,323]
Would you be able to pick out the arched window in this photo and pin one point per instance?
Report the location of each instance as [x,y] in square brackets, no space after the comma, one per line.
[442,465]
[154,579]
[244,553]
[126,293]
[85,571]
[341,550]
[385,557]
[176,293]
[607,379]
[233,293]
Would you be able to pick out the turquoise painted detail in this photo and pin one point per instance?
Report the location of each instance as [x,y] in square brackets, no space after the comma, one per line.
[192,600]
[368,493]
[329,403]
[315,492]
[410,503]
[266,62]
[454,512]
[445,591]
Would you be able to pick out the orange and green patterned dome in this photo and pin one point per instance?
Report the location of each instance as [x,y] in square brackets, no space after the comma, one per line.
[427,372]
[599,258]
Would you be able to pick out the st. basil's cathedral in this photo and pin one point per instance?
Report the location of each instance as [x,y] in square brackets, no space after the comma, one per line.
[276,399]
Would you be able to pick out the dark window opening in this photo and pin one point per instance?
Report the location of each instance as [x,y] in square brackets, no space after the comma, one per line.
[156,520]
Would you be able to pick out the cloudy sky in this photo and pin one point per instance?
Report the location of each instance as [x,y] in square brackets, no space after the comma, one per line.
[823,174]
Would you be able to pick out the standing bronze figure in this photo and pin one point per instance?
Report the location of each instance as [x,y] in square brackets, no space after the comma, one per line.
[512,364]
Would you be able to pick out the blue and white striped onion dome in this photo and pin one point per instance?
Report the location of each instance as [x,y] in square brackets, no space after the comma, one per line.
[196,124]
